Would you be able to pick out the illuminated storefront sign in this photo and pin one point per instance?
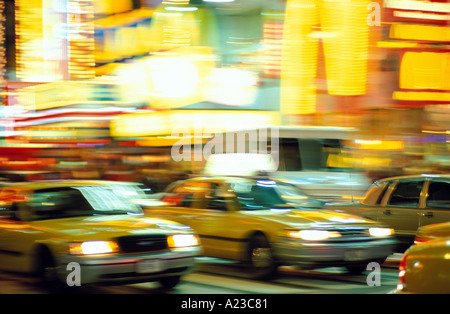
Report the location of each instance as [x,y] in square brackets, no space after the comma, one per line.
[2,53]
[345,35]
[194,121]
[421,29]
[417,11]
[123,35]
[55,40]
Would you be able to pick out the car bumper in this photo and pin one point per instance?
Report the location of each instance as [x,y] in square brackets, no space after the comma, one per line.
[315,255]
[127,268]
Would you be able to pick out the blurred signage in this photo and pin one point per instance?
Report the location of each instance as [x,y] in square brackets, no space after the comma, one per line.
[342,28]
[424,78]
[122,36]
[418,11]
[420,32]
[200,122]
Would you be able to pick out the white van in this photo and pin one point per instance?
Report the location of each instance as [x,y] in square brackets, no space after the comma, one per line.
[312,158]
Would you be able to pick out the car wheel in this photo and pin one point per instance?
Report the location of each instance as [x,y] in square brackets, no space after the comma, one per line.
[170,282]
[46,270]
[260,259]
[356,269]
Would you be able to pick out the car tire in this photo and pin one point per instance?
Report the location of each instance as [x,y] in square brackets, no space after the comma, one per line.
[46,270]
[356,269]
[259,259]
[170,282]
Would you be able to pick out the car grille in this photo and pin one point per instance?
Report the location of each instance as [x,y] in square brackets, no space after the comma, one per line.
[353,232]
[142,243]
[349,234]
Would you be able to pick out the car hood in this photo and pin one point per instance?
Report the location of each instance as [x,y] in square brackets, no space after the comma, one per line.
[310,218]
[107,227]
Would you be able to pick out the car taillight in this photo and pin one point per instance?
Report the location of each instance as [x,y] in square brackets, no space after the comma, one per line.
[418,240]
[402,273]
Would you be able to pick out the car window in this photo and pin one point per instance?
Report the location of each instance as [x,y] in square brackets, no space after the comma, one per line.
[217,197]
[439,194]
[375,193]
[188,194]
[54,204]
[67,202]
[406,194]
[268,194]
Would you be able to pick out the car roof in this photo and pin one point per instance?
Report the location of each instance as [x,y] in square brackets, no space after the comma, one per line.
[416,176]
[48,184]
[229,178]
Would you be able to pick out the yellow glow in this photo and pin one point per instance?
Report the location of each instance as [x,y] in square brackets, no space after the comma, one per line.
[294,197]
[299,59]
[53,44]
[349,197]
[418,5]
[422,96]
[396,44]
[112,6]
[116,39]
[380,144]
[168,80]
[190,121]
[425,70]
[81,40]
[420,32]
[345,42]
[167,141]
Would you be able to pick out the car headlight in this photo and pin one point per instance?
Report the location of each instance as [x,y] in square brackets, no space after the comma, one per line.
[93,247]
[381,232]
[313,235]
[182,240]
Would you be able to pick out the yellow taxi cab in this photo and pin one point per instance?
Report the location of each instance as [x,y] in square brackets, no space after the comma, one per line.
[265,223]
[425,268]
[55,226]
[432,232]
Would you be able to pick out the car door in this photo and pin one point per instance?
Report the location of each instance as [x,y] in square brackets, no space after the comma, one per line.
[216,226]
[182,202]
[400,208]
[16,239]
[436,207]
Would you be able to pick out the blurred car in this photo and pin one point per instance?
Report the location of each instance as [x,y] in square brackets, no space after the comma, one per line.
[405,203]
[265,223]
[93,223]
[425,268]
[432,232]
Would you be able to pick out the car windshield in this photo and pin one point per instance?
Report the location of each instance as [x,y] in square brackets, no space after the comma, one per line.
[269,194]
[82,201]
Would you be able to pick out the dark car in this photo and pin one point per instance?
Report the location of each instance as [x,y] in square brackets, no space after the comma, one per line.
[405,203]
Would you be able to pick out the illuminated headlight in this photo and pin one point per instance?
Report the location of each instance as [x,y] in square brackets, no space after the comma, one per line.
[381,232]
[182,240]
[314,235]
[93,247]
